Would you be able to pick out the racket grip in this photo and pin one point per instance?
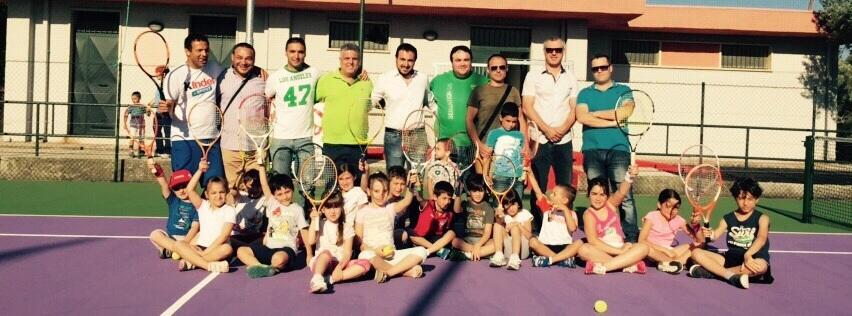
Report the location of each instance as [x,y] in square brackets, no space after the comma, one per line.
[157,170]
[632,158]
[707,240]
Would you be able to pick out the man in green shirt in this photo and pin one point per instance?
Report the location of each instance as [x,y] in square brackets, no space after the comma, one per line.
[342,91]
[451,91]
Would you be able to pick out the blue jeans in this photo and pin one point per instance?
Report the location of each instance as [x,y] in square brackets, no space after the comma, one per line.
[561,158]
[393,149]
[186,155]
[345,154]
[613,165]
[282,152]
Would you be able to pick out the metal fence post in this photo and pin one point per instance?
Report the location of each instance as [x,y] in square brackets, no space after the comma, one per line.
[116,169]
[748,135]
[37,121]
[808,195]
[701,128]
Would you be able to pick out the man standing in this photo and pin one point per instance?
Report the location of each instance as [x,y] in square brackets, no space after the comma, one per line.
[242,79]
[341,91]
[487,100]
[606,151]
[549,98]
[451,91]
[164,120]
[191,83]
[403,91]
[293,88]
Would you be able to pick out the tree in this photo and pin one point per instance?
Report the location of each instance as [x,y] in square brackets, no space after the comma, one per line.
[835,19]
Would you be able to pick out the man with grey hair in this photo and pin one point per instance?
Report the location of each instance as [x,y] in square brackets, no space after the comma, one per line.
[342,90]
[549,99]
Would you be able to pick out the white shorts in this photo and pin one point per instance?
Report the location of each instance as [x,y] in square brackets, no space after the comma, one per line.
[399,254]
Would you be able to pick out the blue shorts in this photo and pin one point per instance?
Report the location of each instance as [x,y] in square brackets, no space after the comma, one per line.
[186,155]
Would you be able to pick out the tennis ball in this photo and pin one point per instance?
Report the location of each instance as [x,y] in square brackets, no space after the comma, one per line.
[600,306]
[175,256]
[387,251]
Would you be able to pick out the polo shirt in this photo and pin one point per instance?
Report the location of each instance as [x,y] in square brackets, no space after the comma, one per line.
[232,138]
[339,97]
[401,98]
[551,98]
[597,100]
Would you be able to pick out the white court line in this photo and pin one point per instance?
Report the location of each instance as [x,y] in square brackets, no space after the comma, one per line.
[807,252]
[82,216]
[74,236]
[188,295]
[811,233]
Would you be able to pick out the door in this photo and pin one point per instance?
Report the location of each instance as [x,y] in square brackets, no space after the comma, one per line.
[514,43]
[94,72]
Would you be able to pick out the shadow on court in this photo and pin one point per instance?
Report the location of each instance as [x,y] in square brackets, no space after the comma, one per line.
[428,297]
[27,251]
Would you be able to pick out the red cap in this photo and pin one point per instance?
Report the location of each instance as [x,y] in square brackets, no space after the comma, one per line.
[179,177]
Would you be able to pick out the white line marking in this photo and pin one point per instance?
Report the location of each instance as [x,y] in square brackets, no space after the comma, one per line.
[74,236]
[81,216]
[808,252]
[188,295]
[809,233]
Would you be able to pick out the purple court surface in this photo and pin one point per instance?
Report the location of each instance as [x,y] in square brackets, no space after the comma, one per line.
[106,266]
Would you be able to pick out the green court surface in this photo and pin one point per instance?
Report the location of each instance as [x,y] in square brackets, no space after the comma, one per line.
[143,199]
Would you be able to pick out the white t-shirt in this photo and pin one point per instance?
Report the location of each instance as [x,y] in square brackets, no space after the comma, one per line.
[327,232]
[554,230]
[378,224]
[284,224]
[200,85]
[551,98]
[352,199]
[212,222]
[249,214]
[522,217]
[400,98]
[294,102]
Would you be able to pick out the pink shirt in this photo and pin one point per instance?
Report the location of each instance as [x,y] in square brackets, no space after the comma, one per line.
[663,232]
[609,229]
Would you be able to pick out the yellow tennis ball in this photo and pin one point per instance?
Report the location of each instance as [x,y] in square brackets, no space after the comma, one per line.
[600,306]
[175,256]
[387,251]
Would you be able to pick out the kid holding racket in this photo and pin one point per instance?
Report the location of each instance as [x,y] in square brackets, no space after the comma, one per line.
[659,229]
[554,244]
[747,238]
[512,232]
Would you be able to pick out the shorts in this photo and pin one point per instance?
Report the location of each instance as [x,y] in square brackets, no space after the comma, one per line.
[173,237]
[557,248]
[238,241]
[399,254]
[334,262]
[264,254]
[472,239]
[735,259]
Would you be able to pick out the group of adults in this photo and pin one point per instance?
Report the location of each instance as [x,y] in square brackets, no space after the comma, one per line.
[465,102]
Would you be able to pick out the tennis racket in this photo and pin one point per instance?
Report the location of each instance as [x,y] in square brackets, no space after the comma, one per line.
[501,176]
[694,156]
[418,139]
[152,56]
[318,179]
[534,135]
[436,172]
[634,115]
[463,158]
[366,123]
[703,185]
[257,119]
[141,125]
[205,125]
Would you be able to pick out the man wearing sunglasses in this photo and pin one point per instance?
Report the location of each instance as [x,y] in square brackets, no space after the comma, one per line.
[606,151]
[487,100]
[549,98]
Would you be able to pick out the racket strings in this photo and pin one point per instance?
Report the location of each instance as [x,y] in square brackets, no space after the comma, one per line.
[151,51]
[503,174]
[205,122]
[703,185]
[635,113]
[318,178]
[415,144]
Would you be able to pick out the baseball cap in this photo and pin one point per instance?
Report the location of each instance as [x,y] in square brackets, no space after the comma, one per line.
[179,177]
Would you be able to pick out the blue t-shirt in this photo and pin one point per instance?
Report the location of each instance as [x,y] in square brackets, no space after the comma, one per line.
[509,144]
[181,216]
[603,137]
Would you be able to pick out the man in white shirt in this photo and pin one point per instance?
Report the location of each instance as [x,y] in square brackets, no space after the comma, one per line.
[293,89]
[188,84]
[403,91]
[549,99]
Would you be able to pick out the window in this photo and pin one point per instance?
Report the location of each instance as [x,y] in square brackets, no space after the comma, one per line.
[745,56]
[343,32]
[221,31]
[635,52]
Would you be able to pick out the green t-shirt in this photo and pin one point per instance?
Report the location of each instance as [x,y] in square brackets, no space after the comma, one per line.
[603,137]
[452,94]
[339,97]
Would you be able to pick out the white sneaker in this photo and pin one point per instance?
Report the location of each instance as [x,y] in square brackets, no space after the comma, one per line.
[318,284]
[218,267]
[514,263]
[497,260]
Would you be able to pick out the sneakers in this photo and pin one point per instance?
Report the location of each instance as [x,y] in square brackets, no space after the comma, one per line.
[451,254]
[497,260]
[218,267]
[595,268]
[514,263]
[673,267]
[380,277]
[641,267]
[260,271]
[567,263]
[540,261]
[443,253]
[184,265]
[697,271]
[164,253]
[739,280]
[318,284]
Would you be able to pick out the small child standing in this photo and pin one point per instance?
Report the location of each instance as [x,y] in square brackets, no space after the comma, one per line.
[508,141]
[182,223]
[134,120]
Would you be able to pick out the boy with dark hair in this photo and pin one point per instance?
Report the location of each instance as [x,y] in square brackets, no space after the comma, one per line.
[433,230]
[508,141]
[476,222]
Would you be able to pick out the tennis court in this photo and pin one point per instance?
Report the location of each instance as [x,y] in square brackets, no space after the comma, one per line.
[76,255]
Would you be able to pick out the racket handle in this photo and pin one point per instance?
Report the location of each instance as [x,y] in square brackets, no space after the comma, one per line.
[707,239]
[632,158]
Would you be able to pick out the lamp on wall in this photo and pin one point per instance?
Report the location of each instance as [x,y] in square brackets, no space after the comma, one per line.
[155,26]
[430,35]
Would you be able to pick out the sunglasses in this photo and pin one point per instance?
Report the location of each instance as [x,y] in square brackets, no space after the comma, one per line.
[501,67]
[553,50]
[600,68]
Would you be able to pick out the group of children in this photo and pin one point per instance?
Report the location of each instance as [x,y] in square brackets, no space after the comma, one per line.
[386,224]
